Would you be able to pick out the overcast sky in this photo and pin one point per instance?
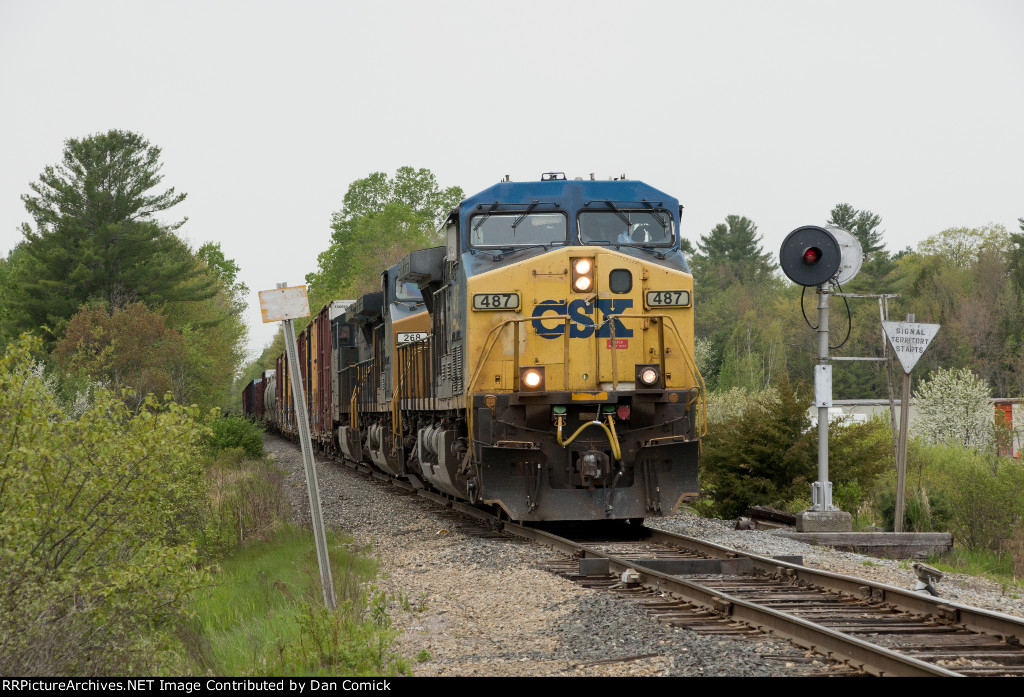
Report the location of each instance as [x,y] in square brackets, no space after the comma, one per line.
[267,111]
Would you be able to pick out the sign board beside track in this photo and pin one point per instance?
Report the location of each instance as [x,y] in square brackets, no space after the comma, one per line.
[284,303]
[909,340]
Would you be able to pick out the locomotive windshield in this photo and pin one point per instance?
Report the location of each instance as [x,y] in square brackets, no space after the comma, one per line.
[647,228]
[517,229]
[407,291]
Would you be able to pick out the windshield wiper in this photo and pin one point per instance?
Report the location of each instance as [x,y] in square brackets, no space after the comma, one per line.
[660,214]
[657,253]
[500,254]
[619,213]
[480,219]
[525,213]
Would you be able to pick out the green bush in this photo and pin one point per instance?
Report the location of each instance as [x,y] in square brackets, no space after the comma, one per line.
[236,432]
[98,516]
[984,491]
[768,456]
[954,488]
[762,457]
[924,510]
[858,456]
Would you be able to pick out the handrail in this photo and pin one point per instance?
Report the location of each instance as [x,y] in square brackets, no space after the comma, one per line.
[690,363]
[408,351]
[356,389]
[698,378]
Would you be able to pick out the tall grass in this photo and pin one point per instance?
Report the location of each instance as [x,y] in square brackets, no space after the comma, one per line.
[979,562]
[265,616]
[264,612]
[246,501]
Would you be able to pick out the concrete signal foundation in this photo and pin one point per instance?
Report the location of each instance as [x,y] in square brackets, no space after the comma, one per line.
[824,521]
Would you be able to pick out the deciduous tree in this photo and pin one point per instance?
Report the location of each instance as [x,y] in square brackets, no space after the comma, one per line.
[381,221]
[129,348]
[98,518]
[952,407]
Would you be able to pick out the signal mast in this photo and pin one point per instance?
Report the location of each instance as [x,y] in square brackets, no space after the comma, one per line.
[822,256]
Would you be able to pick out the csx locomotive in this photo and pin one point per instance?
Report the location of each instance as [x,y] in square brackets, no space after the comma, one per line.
[541,361]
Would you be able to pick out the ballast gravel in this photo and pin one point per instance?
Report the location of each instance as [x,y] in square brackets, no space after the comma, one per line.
[478,606]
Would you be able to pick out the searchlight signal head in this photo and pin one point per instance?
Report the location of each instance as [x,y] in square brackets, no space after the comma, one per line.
[810,256]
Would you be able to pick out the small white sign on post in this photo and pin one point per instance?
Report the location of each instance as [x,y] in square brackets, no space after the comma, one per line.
[909,340]
[284,303]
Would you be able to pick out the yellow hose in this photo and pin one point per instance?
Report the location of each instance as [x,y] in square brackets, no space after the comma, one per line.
[612,438]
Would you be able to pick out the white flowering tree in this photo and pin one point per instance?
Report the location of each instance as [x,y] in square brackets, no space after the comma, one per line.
[953,407]
[704,355]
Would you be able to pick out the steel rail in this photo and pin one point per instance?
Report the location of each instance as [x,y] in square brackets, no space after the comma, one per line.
[871,658]
[970,618]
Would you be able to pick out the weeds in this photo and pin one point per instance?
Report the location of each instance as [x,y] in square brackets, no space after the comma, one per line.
[265,617]
[246,501]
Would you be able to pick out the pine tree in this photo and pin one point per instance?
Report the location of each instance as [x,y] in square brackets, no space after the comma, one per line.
[97,238]
[730,253]
[864,226]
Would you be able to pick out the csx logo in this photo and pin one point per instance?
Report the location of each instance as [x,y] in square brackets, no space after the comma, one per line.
[580,313]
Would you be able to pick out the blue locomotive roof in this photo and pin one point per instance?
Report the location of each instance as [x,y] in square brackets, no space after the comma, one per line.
[571,194]
[572,197]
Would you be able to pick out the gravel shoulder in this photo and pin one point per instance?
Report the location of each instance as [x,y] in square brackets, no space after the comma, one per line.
[486,607]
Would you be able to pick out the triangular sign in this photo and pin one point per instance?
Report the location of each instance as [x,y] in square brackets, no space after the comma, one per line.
[909,340]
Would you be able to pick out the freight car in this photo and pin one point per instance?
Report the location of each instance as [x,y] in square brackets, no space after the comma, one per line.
[541,361]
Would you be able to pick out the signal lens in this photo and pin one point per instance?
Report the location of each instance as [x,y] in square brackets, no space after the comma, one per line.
[583,283]
[812,255]
[583,266]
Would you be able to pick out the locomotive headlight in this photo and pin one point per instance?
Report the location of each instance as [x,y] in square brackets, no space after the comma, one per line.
[531,378]
[648,375]
[582,275]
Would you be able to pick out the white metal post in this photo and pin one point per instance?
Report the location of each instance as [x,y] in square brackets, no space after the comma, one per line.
[821,490]
[312,486]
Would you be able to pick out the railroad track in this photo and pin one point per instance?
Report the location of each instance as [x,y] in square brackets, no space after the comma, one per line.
[842,624]
[879,629]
